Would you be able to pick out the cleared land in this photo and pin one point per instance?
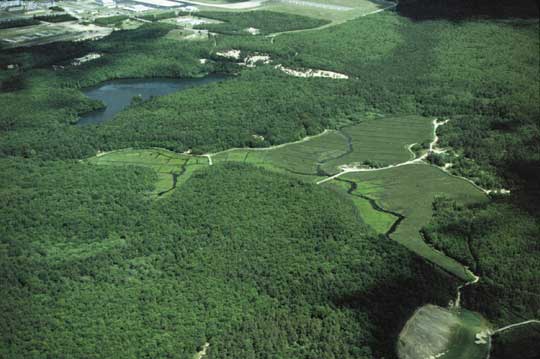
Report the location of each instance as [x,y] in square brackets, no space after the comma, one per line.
[45,33]
[434,332]
[384,141]
[172,168]
[301,157]
[377,219]
[336,11]
[410,191]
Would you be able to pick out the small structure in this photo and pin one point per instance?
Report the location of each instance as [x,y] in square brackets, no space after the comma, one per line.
[107,3]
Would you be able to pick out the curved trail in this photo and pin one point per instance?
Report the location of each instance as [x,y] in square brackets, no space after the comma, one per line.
[432,145]
[307,138]
[332,23]
[202,353]
[527,322]
[457,303]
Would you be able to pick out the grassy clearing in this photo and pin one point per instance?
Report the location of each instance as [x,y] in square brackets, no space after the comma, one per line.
[301,157]
[433,330]
[410,191]
[380,221]
[187,34]
[172,168]
[266,22]
[317,9]
[309,8]
[383,141]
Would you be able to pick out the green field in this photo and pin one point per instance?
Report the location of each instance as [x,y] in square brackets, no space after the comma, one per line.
[410,191]
[383,140]
[358,8]
[336,11]
[433,330]
[172,168]
[380,221]
[300,157]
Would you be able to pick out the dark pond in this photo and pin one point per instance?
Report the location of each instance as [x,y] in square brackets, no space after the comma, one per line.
[118,94]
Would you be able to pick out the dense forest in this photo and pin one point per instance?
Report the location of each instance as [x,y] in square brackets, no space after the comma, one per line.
[92,267]
[499,242]
[467,9]
[237,254]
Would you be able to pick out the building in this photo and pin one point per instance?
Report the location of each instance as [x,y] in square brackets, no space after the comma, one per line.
[107,3]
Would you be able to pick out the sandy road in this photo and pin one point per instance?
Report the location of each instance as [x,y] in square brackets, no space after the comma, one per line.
[352,169]
[531,321]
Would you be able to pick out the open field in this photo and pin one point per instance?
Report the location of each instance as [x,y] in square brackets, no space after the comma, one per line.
[46,33]
[302,157]
[380,221]
[410,191]
[336,11]
[168,165]
[434,332]
[384,141]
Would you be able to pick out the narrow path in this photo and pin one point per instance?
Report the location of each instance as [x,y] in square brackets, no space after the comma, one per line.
[432,145]
[307,138]
[332,23]
[531,321]
[457,303]
[202,353]
[209,159]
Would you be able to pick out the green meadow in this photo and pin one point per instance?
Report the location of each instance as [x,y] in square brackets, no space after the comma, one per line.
[383,141]
[410,191]
[171,168]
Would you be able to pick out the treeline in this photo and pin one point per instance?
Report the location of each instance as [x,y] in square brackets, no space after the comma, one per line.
[159,15]
[98,269]
[8,24]
[110,20]
[264,22]
[55,18]
[467,9]
[228,114]
[498,241]
[496,152]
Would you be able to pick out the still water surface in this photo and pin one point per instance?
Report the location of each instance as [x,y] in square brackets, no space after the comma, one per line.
[118,94]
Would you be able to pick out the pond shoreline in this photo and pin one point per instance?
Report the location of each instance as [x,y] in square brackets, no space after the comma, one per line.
[118,94]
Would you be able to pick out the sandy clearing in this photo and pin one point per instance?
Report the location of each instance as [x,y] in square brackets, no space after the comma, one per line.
[312,73]
[202,353]
[230,54]
[88,57]
[253,60]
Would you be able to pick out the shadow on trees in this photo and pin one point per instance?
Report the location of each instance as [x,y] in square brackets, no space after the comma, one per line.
[468,9]
[391,302]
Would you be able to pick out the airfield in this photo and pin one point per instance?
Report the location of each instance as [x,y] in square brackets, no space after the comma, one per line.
[93,18]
